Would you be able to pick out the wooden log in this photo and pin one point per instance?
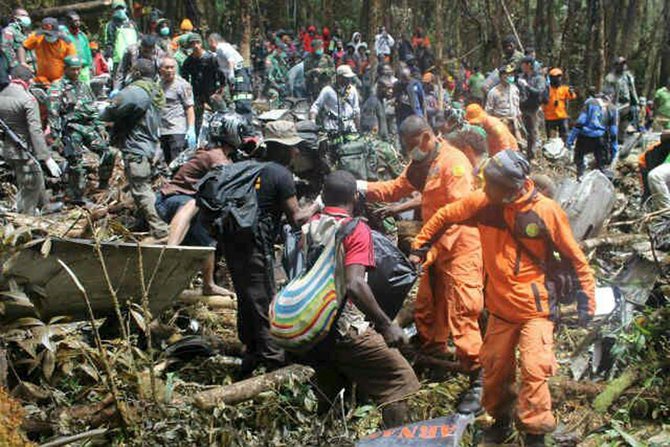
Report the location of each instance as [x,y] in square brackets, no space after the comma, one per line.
[250,388]
[211,301]
[617,240]
[3,367]
[614,390]
[80,7]
[66,440]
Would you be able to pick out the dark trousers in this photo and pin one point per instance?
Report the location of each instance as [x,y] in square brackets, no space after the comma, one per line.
[596,146]
[172,146]
[252,272]
[530,122]
[560,125]
[243,92]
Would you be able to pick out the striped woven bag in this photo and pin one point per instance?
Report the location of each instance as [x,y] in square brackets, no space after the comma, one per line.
[304,311]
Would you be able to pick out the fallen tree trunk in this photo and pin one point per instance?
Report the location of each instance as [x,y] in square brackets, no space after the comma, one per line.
[81,7]
[66,440]
[614,390]
[618,240]
[250,388]
[211,301]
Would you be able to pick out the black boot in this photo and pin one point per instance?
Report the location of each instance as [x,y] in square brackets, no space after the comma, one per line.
[534,440]
[394,414]
[498,433]
[471,403]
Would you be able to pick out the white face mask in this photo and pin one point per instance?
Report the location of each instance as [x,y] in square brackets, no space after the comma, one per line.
[416,154]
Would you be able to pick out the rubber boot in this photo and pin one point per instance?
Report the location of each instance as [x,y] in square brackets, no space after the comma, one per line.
[534,440]
[394,414]
[471,403]
[498,433]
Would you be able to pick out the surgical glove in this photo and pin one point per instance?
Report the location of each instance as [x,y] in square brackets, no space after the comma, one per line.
[53,167]
[362,186]
[191,138]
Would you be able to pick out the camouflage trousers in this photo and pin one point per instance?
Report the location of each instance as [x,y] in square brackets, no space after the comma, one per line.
[31,195]
[78,137]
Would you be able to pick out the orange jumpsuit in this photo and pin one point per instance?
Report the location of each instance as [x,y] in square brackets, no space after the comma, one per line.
[498,135]
[450,298]
[516,297]
[50,56]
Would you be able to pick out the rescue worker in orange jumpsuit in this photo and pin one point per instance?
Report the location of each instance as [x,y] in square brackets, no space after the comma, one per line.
[450,296]
[516,224]
[498,134]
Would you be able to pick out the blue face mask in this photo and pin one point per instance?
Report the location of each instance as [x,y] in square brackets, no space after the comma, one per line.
[25,21]
[165,32]
[510,79]
[120,15]
[51,39]
[319,52]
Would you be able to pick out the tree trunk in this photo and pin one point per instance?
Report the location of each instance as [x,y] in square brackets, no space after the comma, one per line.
[633,35]
[328,13]
[439,32]
[540,27]
[551,30]
[600,47]
[248,389]
[665,52]
[245,43]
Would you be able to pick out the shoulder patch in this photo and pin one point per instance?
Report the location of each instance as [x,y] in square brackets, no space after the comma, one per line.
[458,171]
[532,230]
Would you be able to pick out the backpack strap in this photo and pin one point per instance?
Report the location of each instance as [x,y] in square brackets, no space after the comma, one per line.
[524,248]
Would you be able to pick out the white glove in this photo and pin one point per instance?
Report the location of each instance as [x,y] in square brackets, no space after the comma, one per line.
[361,186]
[319,202]
[53,167]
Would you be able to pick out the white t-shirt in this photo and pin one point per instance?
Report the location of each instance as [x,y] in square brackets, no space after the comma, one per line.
[229,59]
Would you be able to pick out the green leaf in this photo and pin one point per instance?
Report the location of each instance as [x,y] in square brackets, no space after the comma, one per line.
[363,411]
[630,439]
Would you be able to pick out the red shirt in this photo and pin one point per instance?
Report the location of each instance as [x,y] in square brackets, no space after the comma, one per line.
[358,246]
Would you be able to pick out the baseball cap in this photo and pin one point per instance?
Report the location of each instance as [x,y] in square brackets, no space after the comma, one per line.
[72,61]
[194,37]
[345,71]
[508,168]
[282,132]
[49,26]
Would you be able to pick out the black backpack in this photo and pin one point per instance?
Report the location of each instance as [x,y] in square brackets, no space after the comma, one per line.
[393,276]
[227,199]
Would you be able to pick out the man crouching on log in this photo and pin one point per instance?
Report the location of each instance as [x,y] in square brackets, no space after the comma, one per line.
[520,229]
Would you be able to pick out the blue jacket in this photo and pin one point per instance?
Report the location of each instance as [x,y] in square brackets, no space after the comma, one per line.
[597,119]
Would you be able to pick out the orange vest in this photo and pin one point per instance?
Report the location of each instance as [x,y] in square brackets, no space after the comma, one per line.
[556,108]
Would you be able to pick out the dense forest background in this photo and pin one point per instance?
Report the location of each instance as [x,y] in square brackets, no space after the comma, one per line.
[581,36]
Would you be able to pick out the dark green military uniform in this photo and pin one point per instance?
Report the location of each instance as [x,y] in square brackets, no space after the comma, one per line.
[318,69]
[276,79]
[75,124]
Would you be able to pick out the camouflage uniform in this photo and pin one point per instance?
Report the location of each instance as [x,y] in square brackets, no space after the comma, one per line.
[11,40]
[276,79]
[74,121]
[389,166]
[317,70]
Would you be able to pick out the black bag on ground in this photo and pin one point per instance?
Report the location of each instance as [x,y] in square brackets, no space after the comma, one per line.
[227,199]
[393,276]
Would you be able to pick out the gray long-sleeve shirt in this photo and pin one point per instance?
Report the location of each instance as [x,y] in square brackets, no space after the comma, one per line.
[19,109]
[136,121]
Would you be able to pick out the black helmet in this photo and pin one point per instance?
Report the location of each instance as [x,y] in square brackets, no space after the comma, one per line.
[229,128]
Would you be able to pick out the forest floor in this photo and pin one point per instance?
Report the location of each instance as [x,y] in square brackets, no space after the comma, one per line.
[63,382]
